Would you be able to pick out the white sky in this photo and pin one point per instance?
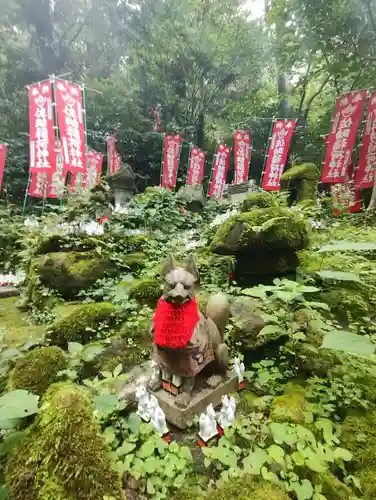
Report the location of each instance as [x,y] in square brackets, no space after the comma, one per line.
[256,7]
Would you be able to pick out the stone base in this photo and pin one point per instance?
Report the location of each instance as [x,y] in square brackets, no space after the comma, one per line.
[8,291]
[201,399]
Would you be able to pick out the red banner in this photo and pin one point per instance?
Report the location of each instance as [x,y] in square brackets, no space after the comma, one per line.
[346,196]
[90,178]
[219,173]
[38,185]
[196,166]
[114,161]
[3,155]
[277,155]
[41,128]
[70,117]
[242,153]
[342,136]
[365,173]
[171,156]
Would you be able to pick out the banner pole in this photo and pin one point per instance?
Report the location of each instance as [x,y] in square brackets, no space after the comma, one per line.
[267,151]
[189,162]
[26,193]
[57,136]
[162,134]
[85,125]
[211,174]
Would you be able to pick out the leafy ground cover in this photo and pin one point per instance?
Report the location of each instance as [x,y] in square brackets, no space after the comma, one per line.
[304,427]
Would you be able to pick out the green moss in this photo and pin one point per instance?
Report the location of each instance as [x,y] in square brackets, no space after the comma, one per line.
[264,199]
[134,260]
[146,291]
[242,488]
[332,487]
[348,301]
[69,272]
[367,479]
[16,329]
[37,370]
[304,178]
[266,228]
[358,436]
[289,407]
[64,453]
[79,322]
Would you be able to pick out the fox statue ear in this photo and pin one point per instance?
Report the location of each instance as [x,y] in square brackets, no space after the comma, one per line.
[191,267]
[169,265]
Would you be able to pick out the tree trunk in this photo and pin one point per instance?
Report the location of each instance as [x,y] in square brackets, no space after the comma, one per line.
[200,124]
[372,203]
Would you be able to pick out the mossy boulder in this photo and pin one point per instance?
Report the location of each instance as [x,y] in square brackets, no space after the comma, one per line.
[17,330]
[146,291]
[265,228]
[247,322]
[304,178]
[242,488]
[37,370]
[290,407]
[79,322]
[69,272]
[64,455]
[263,199]
[332,487]
[193,197]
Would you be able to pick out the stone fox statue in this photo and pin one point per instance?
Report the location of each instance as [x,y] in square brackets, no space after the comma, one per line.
[186,341]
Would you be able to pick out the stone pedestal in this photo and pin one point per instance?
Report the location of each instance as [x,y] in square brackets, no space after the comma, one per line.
[8,291]
[239,192]
[202,397]
[123,184]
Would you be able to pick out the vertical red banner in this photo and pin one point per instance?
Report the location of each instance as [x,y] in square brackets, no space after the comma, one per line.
[346,195]
[342,136]
[70,115]
[82,182]
[3,155]
[38,186]
[219,173]
[171,156]
[196,166]
[277,155]
[114,161]
[242,154]
[41,129]
[365,173]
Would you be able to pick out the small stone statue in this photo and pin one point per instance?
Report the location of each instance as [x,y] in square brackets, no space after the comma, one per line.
[227,413]
[208,425]
[239,369]
[142,398]
[185,340]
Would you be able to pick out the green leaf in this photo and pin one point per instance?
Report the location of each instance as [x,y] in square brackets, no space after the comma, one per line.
[118,370]
[146,450]
[315,464]
[272,330]
[151,464]
[279,431]
[342,340]
[75,348]
[269,476]
[105,405]
[298,458]
[125,448]
[254,461]
[348,246]
[303,490]
[342,454]
[91,352]
[327,427]
[15,405]
[150,487]
[339,276]
[10,442]
[277,453]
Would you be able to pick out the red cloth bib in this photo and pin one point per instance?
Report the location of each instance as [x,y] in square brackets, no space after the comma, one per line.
[174,324]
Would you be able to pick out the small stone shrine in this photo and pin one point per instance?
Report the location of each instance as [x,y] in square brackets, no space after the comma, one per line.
[123,182]
[190,357]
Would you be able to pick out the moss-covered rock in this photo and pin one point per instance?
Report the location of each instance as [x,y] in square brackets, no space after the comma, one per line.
[247,322]
[193,196]
[358,436]
[79,322]
[332,487]
[242,488]
[289,407]
[69,272]
[346,301]
[146,291]
[37,370]
[265,263]
[304,178]
[263,199]
[266,228]
[64,455]
[17,330]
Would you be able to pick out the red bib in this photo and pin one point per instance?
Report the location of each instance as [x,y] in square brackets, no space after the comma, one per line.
[174,324]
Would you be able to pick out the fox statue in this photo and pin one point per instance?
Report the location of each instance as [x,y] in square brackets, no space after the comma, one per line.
[188,343]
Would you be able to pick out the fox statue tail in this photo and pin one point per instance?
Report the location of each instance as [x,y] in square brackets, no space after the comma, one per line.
[218,310]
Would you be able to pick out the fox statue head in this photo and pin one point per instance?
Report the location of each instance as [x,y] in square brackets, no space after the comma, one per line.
[180,283]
